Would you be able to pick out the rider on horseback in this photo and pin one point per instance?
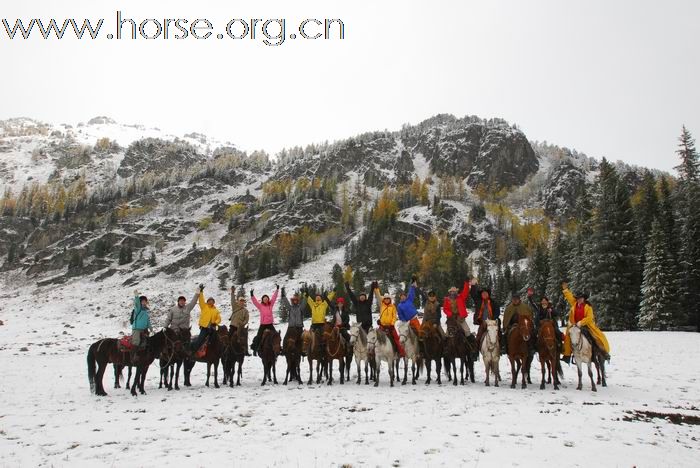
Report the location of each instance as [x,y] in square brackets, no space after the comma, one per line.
[409,313]
[209,318]
[363,307]
[341,317]
[387,317]
[296,308]
[265,306]
[179,314]
[432,311]
[141,322]
[318,308]
[510,319]
[455,308]
[239,316]
[486,309]
[544,311]
[581,315]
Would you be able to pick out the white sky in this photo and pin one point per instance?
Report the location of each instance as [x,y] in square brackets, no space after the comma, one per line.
[609,78]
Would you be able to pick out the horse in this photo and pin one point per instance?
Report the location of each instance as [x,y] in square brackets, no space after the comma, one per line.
[292,347]
[518,349]
[409,341]
[270,347]
[583,353]
[491,350]
[335,351]
[456,347]
[142,359]
[548,351]
[100,354]
[432,345]
[311,348]
[358,343]
[171,360]
[236,353]
[380,344]
[211,357]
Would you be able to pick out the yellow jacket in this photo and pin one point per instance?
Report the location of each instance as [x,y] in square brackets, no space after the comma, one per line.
[208,315]
[319,309]
[387,313]
[588,320]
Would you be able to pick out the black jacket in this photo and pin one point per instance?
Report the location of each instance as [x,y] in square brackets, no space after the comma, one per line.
[363,310]
[542,314]
[432,316]
[476,297]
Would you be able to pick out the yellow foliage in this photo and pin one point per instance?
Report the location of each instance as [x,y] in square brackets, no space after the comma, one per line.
[234,210]
[204,223]
[386,206]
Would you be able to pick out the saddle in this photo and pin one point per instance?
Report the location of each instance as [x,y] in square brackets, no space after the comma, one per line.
[202,351]
[124,344]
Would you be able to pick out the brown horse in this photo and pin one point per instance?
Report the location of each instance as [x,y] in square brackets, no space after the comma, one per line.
[215,347]
[312,349]
[548,351]
[142,359]
[456,347]
[235,353]
[336,350]
[172,358]
[432,345]
[292,346]
[518,349]
[100,354]
[270,347]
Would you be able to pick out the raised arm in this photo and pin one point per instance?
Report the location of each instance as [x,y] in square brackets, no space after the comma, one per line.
[411,294]
[192,303]
[351,294]
[474,292]
[273,299]
[568,295]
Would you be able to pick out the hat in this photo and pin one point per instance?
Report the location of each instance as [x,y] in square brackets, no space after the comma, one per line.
[387,296]
[340,300]
[431,292]
[181,298]
[515,295]
[143,298]
[452,289]
[582,294]
[362,293]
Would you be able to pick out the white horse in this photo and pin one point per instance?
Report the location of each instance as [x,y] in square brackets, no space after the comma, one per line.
[583,353]
[409,341]
[358,341]
[491,351]
[380,344]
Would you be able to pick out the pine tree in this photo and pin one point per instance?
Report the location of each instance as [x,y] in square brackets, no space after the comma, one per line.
[646,209]
[558,272]
[12,253]
[688,195]
[338,280]
[657,304]
[242,274]
[538,270]
[616,282]
[76,261]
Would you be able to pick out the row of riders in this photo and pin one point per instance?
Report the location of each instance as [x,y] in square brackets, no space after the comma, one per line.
[524,330]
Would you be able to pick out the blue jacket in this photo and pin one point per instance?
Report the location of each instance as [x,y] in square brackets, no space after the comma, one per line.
[407,309]
[142,319]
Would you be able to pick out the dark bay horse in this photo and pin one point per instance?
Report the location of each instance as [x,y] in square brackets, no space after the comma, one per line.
[235,354]
[292,346]
[312,349]
[270,347]
[142,359]
[172,358]
[432,345]
[336,350]
[518,349]
[211,357]
[548,352]
[100,354]
[456,347]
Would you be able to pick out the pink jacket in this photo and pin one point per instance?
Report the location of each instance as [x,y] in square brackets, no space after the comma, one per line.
[266,317]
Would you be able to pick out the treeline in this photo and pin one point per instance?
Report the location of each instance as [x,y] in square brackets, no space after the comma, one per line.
[636,252]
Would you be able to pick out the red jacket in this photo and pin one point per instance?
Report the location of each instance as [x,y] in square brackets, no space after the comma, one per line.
[461,303]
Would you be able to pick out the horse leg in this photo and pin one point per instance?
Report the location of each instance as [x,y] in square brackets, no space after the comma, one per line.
[266,369]
[523,371]
[99,389]
[513,373]
[311,371]
[602,371]
[438,370]
[359,371]
[177,374]
[116,376]
[342,371]
[462,368]
[496,370]
[428,365]
[137,375]
[216,374]
[405,370]
[453,363]
[128,379]
[330,378]
[590,374]
[208,373]
[413,372]
[274,371]
[393,373]
[240,372]
[378,366]
[580,372]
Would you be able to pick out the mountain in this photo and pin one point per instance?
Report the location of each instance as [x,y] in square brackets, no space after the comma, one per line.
[103,199]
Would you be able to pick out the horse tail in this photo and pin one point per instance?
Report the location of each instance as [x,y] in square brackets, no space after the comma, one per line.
[91,365]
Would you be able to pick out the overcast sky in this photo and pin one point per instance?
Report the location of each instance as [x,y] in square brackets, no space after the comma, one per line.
[609,78]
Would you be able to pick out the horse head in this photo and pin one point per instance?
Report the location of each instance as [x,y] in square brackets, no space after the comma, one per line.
[371,340]
[525,327]
[492,331]
[575,337]
[276,342]
[354,333]
[307,342]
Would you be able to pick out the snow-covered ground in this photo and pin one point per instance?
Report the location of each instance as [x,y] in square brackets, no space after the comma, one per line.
[49,418]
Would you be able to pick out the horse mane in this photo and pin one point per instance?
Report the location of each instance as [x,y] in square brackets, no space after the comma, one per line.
[363,336]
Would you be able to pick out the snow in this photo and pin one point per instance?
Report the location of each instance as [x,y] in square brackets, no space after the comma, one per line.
[49,416]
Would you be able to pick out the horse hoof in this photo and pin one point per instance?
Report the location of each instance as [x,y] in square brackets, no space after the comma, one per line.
[376,384]
[206,384]
[487,384]
[541,386]
[556,387]
[594,389]
[512,386]
[578,388]
[523,386]
[496,384]
[403,383]
[605,384]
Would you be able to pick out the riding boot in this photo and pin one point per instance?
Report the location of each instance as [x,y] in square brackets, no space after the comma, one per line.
[566,359]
